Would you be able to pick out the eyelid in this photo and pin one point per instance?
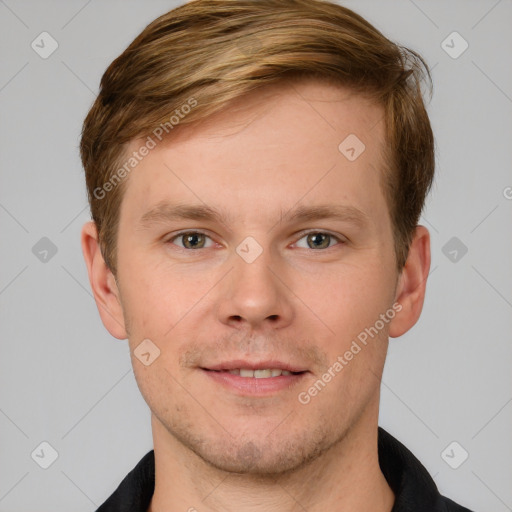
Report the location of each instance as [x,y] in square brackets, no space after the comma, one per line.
[186,231]
[338,236]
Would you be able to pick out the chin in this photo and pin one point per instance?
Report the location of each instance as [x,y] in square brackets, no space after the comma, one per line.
[260,457]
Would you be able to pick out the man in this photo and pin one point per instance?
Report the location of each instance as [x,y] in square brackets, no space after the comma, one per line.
[256,172]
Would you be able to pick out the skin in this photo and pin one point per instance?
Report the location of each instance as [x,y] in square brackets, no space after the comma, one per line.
[264,155]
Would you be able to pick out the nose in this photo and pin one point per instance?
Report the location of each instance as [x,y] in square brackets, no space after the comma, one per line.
[255,293]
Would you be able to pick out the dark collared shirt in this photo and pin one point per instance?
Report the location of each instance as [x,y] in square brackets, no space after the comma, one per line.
[414,489]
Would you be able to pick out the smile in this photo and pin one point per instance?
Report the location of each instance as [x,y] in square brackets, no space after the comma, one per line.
[258,374]
[257,382]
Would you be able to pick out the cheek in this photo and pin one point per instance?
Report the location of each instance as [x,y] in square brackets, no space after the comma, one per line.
[347,299]
[164,309]
[155,301]
[157,386]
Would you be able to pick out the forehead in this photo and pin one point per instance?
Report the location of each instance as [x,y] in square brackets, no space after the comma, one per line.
[275,146]
[325,106]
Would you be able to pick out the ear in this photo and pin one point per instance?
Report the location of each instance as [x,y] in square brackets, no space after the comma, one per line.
[410,292]
[103,284]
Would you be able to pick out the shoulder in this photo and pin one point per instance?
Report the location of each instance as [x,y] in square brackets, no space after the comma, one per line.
[449,505]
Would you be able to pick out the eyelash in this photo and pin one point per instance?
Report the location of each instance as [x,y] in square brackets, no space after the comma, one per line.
[303,234]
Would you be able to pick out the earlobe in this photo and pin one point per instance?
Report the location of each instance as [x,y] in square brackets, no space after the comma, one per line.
[410,293]
[103,283]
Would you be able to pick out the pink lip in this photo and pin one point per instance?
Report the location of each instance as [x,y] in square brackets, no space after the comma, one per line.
[250,386]
[261,365]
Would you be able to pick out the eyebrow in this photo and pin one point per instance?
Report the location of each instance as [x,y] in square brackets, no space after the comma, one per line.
[329,211]
[165,212]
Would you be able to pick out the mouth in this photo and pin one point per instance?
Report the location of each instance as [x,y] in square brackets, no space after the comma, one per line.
[255,379]
[264,373]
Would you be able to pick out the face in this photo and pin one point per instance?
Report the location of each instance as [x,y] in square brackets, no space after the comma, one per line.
[275,281]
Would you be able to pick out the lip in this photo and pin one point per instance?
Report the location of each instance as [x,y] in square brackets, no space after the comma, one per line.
[251,386]
[260,365]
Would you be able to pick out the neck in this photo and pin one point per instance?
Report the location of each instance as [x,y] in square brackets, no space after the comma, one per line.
[346,477]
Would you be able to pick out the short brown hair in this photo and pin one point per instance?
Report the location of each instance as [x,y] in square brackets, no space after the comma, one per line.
[208,52]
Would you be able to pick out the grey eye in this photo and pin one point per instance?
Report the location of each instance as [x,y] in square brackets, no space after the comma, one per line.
[318,240]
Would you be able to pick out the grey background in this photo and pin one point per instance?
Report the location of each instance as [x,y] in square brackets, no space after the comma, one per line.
[66,381]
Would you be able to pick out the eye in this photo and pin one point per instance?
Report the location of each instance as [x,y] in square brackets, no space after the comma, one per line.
[198,240]
[319,240]
[191,240]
